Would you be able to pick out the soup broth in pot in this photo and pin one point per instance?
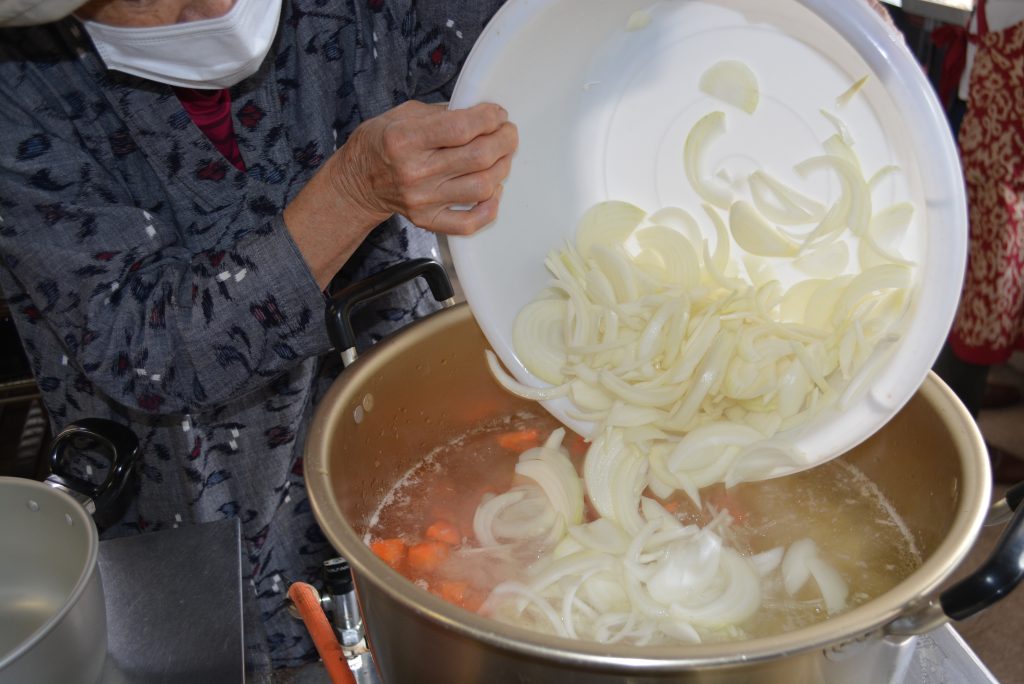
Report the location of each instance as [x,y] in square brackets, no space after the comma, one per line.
[423,527]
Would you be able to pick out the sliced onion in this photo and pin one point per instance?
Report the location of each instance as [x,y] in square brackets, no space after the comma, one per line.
[681,220]
[781,203]
[826,261]
[483,519]
[841,128]
[855,188]
[720,259]
[739,601]
[755,235]
[690,363]
[709,127]
[733,82]
[888,227]
[844,99]
[795,572]
[669,256]
[607,223]
[831,584]
[705,444]
[606,594]
[519,389]
[890,276]
[766,562]
[599,470]
[550,467]
[539,332]
[601,535]
[689,568]
[531,597]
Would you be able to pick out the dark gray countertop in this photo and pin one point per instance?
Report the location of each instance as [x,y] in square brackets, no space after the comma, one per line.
[174,606]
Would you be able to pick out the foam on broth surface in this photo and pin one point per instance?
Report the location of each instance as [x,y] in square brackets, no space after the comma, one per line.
[856,529]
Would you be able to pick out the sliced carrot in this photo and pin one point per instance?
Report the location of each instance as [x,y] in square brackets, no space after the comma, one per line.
[671,506]
[444,531]
[472,599]
[577,445]
[391,551]
[427,556]
[453,591]
[519,441]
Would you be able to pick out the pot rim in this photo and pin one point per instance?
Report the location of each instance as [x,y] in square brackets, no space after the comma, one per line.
[84,522]
[973,488]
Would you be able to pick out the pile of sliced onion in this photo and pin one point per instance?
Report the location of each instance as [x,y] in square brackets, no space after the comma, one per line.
[665,583]
[693,356]
[660,331]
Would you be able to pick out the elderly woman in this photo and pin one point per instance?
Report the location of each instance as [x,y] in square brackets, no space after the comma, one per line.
[180,180]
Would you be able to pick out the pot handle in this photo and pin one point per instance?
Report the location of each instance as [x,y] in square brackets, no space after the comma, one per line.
[996,578]
[100,436]
[342,303]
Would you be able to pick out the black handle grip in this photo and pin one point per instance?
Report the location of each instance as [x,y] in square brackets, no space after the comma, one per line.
[997,577]
[343,303]
[1014,495]
[337,576]
[103,437]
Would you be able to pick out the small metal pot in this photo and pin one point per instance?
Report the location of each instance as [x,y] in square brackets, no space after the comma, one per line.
[429,383]
[53,627]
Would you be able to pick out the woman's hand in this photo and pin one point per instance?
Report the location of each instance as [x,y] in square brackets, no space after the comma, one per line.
[417,160]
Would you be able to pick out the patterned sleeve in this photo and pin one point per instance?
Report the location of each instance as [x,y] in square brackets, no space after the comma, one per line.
[444,34]
[151,324]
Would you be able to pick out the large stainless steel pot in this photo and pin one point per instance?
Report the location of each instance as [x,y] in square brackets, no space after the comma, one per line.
[429,383]
[53,627]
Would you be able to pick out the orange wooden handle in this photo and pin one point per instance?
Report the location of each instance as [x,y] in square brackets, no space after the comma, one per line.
[307,602]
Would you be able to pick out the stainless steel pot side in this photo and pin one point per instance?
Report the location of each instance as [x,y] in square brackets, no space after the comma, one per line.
[53,625]
[429,383]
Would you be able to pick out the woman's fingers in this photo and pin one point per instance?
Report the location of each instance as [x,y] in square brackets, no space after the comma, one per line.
[480,153]
[477,186]
[458,127]
[466,221]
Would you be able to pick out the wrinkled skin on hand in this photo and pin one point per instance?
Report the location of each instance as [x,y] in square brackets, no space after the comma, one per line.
[418,160]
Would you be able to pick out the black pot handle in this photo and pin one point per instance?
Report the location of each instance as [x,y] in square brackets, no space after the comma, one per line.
[997,577]
[111,440]
[341,304]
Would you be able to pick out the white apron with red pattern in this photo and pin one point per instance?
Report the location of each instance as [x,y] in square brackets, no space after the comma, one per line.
[990,321]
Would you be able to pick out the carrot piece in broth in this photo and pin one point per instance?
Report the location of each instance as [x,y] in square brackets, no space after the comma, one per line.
[427,556]
[520,440]
[391,551]
[444,531]
[453,591]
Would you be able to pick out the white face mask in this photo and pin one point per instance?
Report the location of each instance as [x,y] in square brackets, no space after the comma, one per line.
[210,53]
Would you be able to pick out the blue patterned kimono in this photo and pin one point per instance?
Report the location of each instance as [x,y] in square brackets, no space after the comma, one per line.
[155,284]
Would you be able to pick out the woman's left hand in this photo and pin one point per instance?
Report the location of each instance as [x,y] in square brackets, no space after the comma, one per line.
[417,160]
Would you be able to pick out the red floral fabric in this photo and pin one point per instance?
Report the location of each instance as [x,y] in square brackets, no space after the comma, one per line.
[990,321]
